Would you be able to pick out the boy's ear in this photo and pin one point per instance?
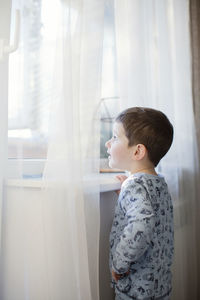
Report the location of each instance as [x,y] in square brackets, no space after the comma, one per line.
[139,152]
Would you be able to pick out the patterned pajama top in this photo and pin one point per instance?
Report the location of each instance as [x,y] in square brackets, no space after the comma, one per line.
[142,238]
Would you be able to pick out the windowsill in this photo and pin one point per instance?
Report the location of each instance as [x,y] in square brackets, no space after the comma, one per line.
[107,182]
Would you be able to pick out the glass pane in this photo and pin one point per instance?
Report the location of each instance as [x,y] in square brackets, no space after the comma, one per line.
[30,78]
[109,101]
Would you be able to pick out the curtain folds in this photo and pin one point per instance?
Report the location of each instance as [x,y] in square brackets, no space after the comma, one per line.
[154,70]
[4,35]
[73,153]
[51,231]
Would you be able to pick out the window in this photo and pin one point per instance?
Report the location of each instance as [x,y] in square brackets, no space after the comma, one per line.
[31,74]
[110,100]
[30,79]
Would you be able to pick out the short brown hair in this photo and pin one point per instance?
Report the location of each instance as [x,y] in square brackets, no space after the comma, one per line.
[149,127]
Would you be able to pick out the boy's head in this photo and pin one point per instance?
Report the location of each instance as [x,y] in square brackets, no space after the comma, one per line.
[149,127]
[146,127]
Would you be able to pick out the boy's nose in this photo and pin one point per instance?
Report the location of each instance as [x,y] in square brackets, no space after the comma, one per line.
[107,144]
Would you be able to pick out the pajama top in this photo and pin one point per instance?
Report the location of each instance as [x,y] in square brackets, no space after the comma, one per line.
[142,238]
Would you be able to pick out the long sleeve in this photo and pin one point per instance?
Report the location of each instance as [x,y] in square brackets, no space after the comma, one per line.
[137,232]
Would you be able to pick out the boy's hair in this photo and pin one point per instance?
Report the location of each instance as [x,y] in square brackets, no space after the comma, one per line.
[149,127]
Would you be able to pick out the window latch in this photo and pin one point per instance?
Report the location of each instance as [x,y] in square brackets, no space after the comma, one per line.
[7,49]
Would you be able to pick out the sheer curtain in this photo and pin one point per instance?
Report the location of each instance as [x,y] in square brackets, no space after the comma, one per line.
[50,231]
[50,244]
[71,208]
[153,55]
[4,36]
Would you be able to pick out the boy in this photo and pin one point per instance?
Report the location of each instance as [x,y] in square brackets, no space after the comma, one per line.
[141,239]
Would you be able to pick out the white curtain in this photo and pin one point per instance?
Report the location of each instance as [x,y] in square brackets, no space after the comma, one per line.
[50,245]
[154,70]
[50,231]
[4,36]
[71,208]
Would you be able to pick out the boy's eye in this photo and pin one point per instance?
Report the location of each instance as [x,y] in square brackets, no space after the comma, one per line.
[114,137]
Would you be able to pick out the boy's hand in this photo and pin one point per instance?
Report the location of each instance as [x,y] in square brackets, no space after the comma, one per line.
[116,276]
[121,178]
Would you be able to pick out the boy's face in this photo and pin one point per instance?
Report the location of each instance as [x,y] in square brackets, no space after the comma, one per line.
[120,155]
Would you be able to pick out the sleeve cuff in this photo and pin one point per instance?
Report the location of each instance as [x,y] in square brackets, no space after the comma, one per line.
[120,269]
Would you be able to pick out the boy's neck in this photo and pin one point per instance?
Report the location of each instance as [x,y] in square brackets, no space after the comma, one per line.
[145,170]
